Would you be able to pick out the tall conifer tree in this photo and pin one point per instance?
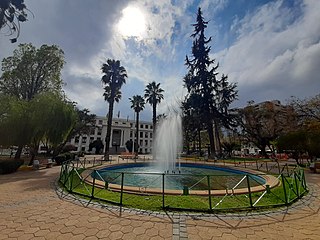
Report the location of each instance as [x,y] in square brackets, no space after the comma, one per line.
[202,84]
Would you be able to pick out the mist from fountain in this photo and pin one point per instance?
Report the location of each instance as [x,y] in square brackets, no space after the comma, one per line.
[168,144]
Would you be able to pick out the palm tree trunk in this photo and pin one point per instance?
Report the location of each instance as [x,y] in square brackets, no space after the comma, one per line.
[108,135]
[137,129]
[154,117]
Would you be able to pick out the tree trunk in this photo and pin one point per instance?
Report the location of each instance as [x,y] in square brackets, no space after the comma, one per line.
[33,151]
[18,152]
[108,135]
[263,151]
[154,117]
[211,140]
[137,131]
[199,137]
[217,138]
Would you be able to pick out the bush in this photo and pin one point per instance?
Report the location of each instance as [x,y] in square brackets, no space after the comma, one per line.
[64,157]
[10,165]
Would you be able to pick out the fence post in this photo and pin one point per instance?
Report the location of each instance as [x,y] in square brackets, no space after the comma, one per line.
[71,180]
[296,183]
[257,164]
[249,191]
[94,161]
[121,194]
[93,183]
[284,189]
[84,162]
[209,191]
[163,190]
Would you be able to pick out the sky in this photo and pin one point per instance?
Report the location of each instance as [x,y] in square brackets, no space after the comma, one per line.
[270,49]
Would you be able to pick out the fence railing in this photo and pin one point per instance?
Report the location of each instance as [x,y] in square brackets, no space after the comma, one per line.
[78,177]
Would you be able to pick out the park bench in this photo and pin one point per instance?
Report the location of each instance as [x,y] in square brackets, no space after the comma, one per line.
[127,155]
[47,163]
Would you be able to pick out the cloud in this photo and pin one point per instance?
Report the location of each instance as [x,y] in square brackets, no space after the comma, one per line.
[276,53]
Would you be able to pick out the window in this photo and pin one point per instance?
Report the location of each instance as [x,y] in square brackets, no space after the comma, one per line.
[98,138]
[146,135]
[145,143]
[130,134]
[141,134]
[151,127]
[76,140]
[100,122]
[92,131]
[83,149]
[99,131]
[84,139]
[91,139]
[147,126]
[141,125]
[131,124]
[150,135]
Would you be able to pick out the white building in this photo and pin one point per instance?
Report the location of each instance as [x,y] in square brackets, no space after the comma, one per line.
[122,130]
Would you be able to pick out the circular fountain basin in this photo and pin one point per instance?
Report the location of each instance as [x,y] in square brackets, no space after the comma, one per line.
[142,178]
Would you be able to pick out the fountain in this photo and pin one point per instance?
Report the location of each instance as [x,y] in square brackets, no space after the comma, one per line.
[168,144]
[167,174]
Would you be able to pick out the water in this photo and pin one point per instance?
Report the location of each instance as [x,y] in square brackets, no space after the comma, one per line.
[192,176]
[168,144]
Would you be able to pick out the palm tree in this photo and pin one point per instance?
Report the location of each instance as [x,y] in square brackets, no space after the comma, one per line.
[114,77]
[137,102]
[153,95]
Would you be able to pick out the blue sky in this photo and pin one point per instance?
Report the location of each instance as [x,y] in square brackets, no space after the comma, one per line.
[271,49]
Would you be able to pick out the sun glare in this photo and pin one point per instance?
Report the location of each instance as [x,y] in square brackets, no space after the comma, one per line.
[132,23]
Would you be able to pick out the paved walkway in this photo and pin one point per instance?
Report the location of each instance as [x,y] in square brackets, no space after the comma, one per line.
[31,208]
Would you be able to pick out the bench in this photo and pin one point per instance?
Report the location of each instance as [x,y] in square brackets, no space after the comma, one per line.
[47,163]
[127,155]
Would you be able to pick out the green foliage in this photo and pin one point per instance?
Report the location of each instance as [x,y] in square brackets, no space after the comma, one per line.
[137,103]
[32,71]
[47,117]
[10,165]
[153,95]
[302,141]
[64,157]
[208,96]
[12,12]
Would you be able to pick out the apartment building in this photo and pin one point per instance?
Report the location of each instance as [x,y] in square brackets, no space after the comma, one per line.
[122,130]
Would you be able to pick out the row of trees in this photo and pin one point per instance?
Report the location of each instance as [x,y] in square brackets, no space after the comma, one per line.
[33,108]
[293,128]
[114,77]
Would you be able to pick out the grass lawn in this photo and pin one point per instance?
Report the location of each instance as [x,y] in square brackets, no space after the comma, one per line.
[274,198]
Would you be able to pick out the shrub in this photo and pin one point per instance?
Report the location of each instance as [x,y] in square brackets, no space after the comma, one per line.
[10,165]
[64,157]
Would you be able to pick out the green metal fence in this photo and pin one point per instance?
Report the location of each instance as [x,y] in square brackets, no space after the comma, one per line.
[78,177]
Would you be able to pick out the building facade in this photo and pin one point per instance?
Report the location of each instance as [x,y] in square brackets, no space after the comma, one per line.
[122,130]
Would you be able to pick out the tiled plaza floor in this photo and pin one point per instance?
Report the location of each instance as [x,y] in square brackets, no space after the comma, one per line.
[32,208]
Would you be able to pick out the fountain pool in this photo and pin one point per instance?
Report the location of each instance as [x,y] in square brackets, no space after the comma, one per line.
[197,178]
